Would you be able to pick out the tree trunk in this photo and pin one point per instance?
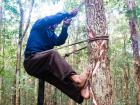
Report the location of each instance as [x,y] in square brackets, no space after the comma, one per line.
[35,91]
[135,46]
[126,88]
[18,74]
[136,59]
[22,33]
[46,94]
[98,53]
[1,50]
[126,69]
[18,62]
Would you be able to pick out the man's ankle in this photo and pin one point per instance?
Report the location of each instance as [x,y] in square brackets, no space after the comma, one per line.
[75,78]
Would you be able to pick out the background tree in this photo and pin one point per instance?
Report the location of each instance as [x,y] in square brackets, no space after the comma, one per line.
[135,37]
[1,49]
[22,33]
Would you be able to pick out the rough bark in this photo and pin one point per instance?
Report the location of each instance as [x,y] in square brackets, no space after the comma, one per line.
[135,46]
[98,53]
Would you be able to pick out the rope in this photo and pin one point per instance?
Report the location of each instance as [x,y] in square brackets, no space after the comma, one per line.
[68,54]
[87,40]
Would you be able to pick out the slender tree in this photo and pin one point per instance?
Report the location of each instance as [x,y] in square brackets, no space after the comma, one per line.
[1,68]
[22,33]
[135,44]
[46,93]
[98,53]
[126,70]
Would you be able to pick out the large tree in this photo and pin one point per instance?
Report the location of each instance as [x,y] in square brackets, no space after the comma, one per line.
[98,53]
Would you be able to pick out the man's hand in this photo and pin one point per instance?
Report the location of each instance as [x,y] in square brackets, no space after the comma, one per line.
[67,21]
[74,12]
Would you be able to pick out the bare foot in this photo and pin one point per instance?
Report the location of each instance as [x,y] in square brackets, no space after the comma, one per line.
[85,91]
[81,79]
[84,77]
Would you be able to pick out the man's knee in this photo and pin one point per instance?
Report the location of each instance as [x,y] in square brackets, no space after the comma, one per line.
[54,53]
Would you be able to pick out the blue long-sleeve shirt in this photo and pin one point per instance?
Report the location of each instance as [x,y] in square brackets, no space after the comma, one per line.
[42,37]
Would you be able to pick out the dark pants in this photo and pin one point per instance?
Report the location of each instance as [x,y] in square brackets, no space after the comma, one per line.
[51,67]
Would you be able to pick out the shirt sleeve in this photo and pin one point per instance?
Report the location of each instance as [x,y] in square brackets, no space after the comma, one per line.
[59,40]
[51,20]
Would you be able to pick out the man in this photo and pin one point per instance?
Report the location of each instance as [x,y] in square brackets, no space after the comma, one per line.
[48,65]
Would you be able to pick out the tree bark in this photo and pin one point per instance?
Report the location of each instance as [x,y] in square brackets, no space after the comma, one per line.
[135,46]
[101,83]
[22,33]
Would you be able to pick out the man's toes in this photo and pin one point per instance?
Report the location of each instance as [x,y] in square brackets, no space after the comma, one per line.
[85,93]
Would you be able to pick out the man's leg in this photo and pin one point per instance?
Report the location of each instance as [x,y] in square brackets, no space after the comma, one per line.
[68,88]
[50,62]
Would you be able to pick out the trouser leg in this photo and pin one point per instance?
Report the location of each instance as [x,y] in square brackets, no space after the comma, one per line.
[51,67]
[66,87]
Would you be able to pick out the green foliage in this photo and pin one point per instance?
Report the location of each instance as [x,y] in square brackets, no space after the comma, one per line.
[133,13]
[11,7]
[71,4]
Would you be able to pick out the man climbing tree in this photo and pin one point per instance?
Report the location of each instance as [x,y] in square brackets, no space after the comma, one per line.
[48,65]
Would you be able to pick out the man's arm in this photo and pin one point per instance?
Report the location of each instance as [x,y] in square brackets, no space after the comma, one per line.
[54,19]
[50,20]
[63,35]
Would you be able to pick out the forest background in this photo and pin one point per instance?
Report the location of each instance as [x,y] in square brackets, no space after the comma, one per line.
[16,19]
